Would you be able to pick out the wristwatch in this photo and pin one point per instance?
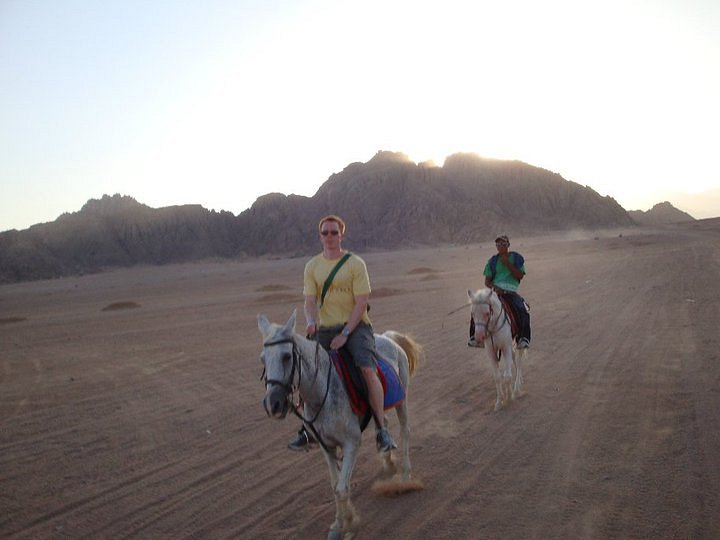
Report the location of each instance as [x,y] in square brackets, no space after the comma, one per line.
[345,332]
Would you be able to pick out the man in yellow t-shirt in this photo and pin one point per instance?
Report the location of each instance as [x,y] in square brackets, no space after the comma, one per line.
[341,318]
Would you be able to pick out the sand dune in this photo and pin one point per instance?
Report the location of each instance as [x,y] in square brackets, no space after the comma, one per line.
[147,422]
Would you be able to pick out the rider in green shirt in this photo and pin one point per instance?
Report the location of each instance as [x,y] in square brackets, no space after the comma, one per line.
[503,273]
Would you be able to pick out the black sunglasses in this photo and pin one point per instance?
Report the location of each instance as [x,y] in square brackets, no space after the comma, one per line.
[325,233]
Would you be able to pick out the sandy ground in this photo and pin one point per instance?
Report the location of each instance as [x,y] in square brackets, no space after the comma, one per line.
[130,401]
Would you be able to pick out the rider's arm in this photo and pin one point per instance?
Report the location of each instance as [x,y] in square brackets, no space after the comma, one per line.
[311,315]
[517,273]
[361,301]
[490,285]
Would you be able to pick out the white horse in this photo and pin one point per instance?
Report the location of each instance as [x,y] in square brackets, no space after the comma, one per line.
[293,362]
[492,324]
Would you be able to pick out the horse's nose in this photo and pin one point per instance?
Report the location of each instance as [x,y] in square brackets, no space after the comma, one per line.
[265,405]
[274,406]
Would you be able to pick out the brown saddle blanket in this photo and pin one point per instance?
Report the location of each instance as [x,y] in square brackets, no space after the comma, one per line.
[510,310]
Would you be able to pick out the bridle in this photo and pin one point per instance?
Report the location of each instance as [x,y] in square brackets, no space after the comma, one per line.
[290,388]
[502,313]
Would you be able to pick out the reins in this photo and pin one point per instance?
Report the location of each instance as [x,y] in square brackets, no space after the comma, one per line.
[502,312]
[297,360]
[496,328]
[466,304]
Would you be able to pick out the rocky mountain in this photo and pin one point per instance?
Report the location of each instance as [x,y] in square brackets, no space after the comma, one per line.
[663,212]
[387,202]
[391,201]
[115,231]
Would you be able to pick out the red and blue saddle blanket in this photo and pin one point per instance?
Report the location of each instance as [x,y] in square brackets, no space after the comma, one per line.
[355,386]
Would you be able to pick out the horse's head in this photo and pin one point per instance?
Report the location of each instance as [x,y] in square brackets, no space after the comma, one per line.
[280,362]
[481,306]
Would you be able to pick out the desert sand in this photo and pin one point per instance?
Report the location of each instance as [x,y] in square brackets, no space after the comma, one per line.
[130,401]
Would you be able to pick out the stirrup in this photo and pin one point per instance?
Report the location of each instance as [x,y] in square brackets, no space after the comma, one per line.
[301,442]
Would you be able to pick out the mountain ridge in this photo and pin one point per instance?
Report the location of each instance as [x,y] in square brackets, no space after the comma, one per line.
[387,202]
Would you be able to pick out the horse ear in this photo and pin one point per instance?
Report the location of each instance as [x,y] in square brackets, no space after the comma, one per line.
[263,324]
[290,325]
[470,294]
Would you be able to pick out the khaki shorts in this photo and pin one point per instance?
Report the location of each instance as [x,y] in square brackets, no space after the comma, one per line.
[360,344]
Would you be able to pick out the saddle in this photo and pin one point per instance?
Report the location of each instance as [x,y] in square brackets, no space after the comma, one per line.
[355,385]
[512,315]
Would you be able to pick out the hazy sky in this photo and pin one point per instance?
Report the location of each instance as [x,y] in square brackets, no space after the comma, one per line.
[217,102]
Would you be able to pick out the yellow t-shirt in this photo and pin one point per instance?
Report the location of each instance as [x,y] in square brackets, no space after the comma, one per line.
[352,279]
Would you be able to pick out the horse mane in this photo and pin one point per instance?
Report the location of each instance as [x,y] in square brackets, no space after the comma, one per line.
[483,296]
[412,348]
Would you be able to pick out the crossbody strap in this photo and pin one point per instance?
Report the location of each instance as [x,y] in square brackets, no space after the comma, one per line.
[331,275]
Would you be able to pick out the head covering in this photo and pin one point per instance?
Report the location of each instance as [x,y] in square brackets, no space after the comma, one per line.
[502,238]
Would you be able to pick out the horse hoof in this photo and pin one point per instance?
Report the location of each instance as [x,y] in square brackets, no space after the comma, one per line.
[351,530]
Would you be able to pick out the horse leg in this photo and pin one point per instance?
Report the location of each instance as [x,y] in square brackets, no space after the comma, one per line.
[502,373]
[496,378]
[518,359]
[507,371]
[332,468]
[346,522]
[402,414]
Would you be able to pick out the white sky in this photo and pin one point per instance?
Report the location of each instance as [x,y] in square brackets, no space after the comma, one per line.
[217,102]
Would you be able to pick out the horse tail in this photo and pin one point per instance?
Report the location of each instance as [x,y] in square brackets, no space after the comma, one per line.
[413,350]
